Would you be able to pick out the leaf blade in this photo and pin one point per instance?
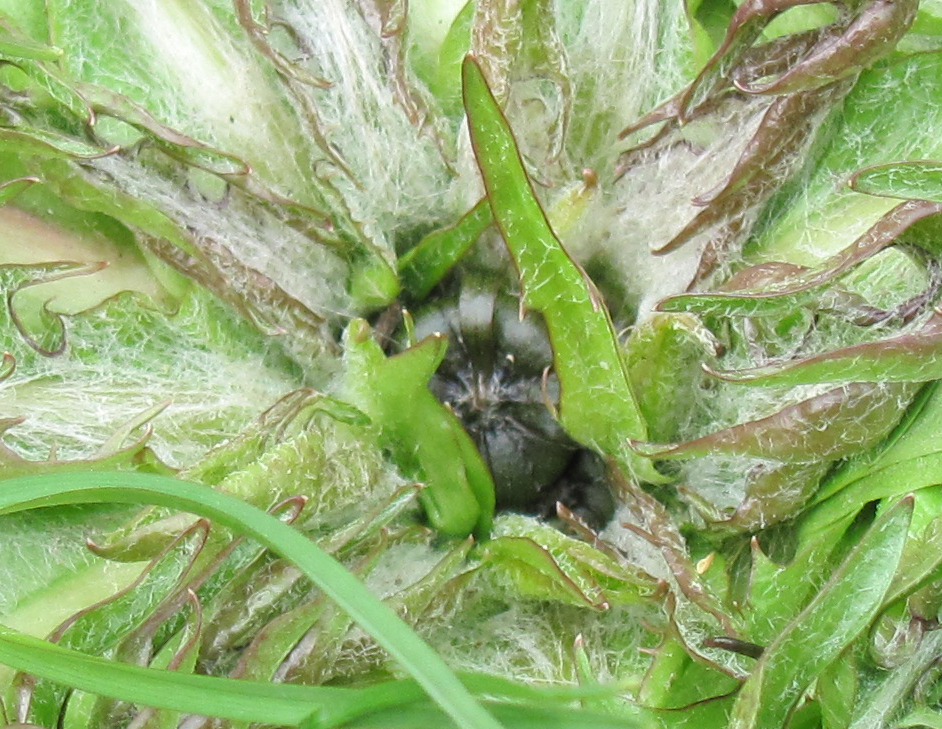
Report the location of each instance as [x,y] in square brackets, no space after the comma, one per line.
[597,407]
[353,597]
[831,621]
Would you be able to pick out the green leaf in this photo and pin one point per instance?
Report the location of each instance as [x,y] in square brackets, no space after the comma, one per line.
[433,256]
[921,717]
[910,461]
[426,439]
[596,405]
[884,701]
[909,357]
[836,691]
[352,596]
[769,614]
[916,180]
[840,612]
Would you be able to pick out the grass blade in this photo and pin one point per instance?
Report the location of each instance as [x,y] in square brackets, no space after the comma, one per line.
[376,618]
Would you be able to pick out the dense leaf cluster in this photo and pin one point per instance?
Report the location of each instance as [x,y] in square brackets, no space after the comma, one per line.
[217,221]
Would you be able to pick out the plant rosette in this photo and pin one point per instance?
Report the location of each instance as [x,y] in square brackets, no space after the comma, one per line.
[492,362]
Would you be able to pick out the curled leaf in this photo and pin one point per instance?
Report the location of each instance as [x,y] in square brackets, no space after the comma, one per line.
[811,60]
[785,127]
[810,72]
[109,103]
[11,188]
[98,628]
[653,522]
[43,329]
[267,305]
[779,55]
[388,20]
[910,357]
[115,453]
[774,289]
[828,426]
[183,659]
[536,573]
[744,29]
[54,144]
[258,28]
[785,130]
[426,439]
[545,564]
[7,368]
[871,35]
[525,63]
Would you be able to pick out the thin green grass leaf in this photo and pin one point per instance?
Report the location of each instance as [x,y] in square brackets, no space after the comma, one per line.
[280,704]
[353,597]
[286,704]
[426,716]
